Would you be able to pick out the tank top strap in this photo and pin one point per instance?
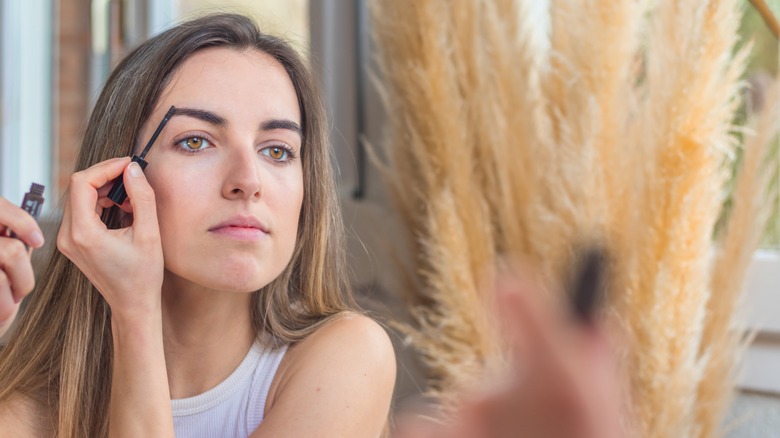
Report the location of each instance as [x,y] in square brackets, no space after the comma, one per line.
[262,379]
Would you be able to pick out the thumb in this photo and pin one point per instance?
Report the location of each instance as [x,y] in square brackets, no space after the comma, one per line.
[141,197]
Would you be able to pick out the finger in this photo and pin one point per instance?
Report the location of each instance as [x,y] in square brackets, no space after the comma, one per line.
[536,329]
[142,201]
[85,184]
[15,263]
[498,415]
[22,224]
[597,349]
[101,174]
[104,202]
[515,305]
[104,190]
[127,207]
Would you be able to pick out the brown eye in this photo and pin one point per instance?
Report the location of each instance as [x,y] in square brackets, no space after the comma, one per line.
[192,144]
[277,153]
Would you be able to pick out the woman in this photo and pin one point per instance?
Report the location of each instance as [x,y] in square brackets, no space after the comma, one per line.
[214,302]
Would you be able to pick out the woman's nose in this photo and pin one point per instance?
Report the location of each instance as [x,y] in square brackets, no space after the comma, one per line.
[242,175]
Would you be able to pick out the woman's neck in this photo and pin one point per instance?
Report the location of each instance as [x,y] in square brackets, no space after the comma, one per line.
[206,335]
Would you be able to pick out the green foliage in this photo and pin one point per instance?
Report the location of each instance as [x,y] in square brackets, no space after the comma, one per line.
[764,61]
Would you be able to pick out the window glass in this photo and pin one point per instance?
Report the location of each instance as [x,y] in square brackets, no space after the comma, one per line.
[25,95]
[289,18]
[763,65]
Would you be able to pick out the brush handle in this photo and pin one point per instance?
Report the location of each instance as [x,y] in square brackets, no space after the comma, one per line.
[32,204]
[118,194]
[588,283]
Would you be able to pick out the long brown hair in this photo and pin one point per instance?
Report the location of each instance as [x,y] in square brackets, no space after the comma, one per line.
[60,355]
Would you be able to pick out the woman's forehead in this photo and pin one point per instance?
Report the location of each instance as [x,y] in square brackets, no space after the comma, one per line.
[230,81]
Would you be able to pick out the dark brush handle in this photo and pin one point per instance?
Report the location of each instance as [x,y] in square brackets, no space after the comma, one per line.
[118,194]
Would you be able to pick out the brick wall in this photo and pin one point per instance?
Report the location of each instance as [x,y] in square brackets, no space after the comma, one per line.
[72,86]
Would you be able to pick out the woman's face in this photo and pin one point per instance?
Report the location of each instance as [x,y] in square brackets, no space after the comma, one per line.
[226,170]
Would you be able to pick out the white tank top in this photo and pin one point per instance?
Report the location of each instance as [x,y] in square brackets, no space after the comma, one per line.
[235,407]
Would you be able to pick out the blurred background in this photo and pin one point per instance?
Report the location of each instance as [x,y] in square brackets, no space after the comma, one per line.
[56,54]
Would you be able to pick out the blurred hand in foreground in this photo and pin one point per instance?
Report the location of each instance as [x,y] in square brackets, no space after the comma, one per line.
[563,381]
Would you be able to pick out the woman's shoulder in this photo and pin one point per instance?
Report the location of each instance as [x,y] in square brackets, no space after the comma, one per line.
[344,334]
[22,417]
[348,342]
[344,369]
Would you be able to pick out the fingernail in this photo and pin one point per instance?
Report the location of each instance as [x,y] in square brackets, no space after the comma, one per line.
[135,169]
[36,238]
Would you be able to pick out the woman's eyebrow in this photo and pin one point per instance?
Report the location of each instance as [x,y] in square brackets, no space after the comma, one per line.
[206,116]
[272,124]
[214,119]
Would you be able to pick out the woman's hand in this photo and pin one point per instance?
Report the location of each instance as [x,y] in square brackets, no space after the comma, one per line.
[16,274]
[126,264]
[563,384]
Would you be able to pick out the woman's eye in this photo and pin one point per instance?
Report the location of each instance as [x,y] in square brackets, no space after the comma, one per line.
[194,143]
[277,153]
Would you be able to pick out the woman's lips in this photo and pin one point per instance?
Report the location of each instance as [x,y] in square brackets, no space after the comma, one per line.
[239,233]
[240,228]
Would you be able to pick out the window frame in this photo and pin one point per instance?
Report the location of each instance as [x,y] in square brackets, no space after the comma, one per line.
[26,80]
[762,316]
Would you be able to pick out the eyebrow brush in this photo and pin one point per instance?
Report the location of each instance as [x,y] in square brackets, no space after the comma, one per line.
[118,194]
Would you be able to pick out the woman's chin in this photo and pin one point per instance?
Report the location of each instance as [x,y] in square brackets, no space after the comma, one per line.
[240,287]
[238,279]
[248,282]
